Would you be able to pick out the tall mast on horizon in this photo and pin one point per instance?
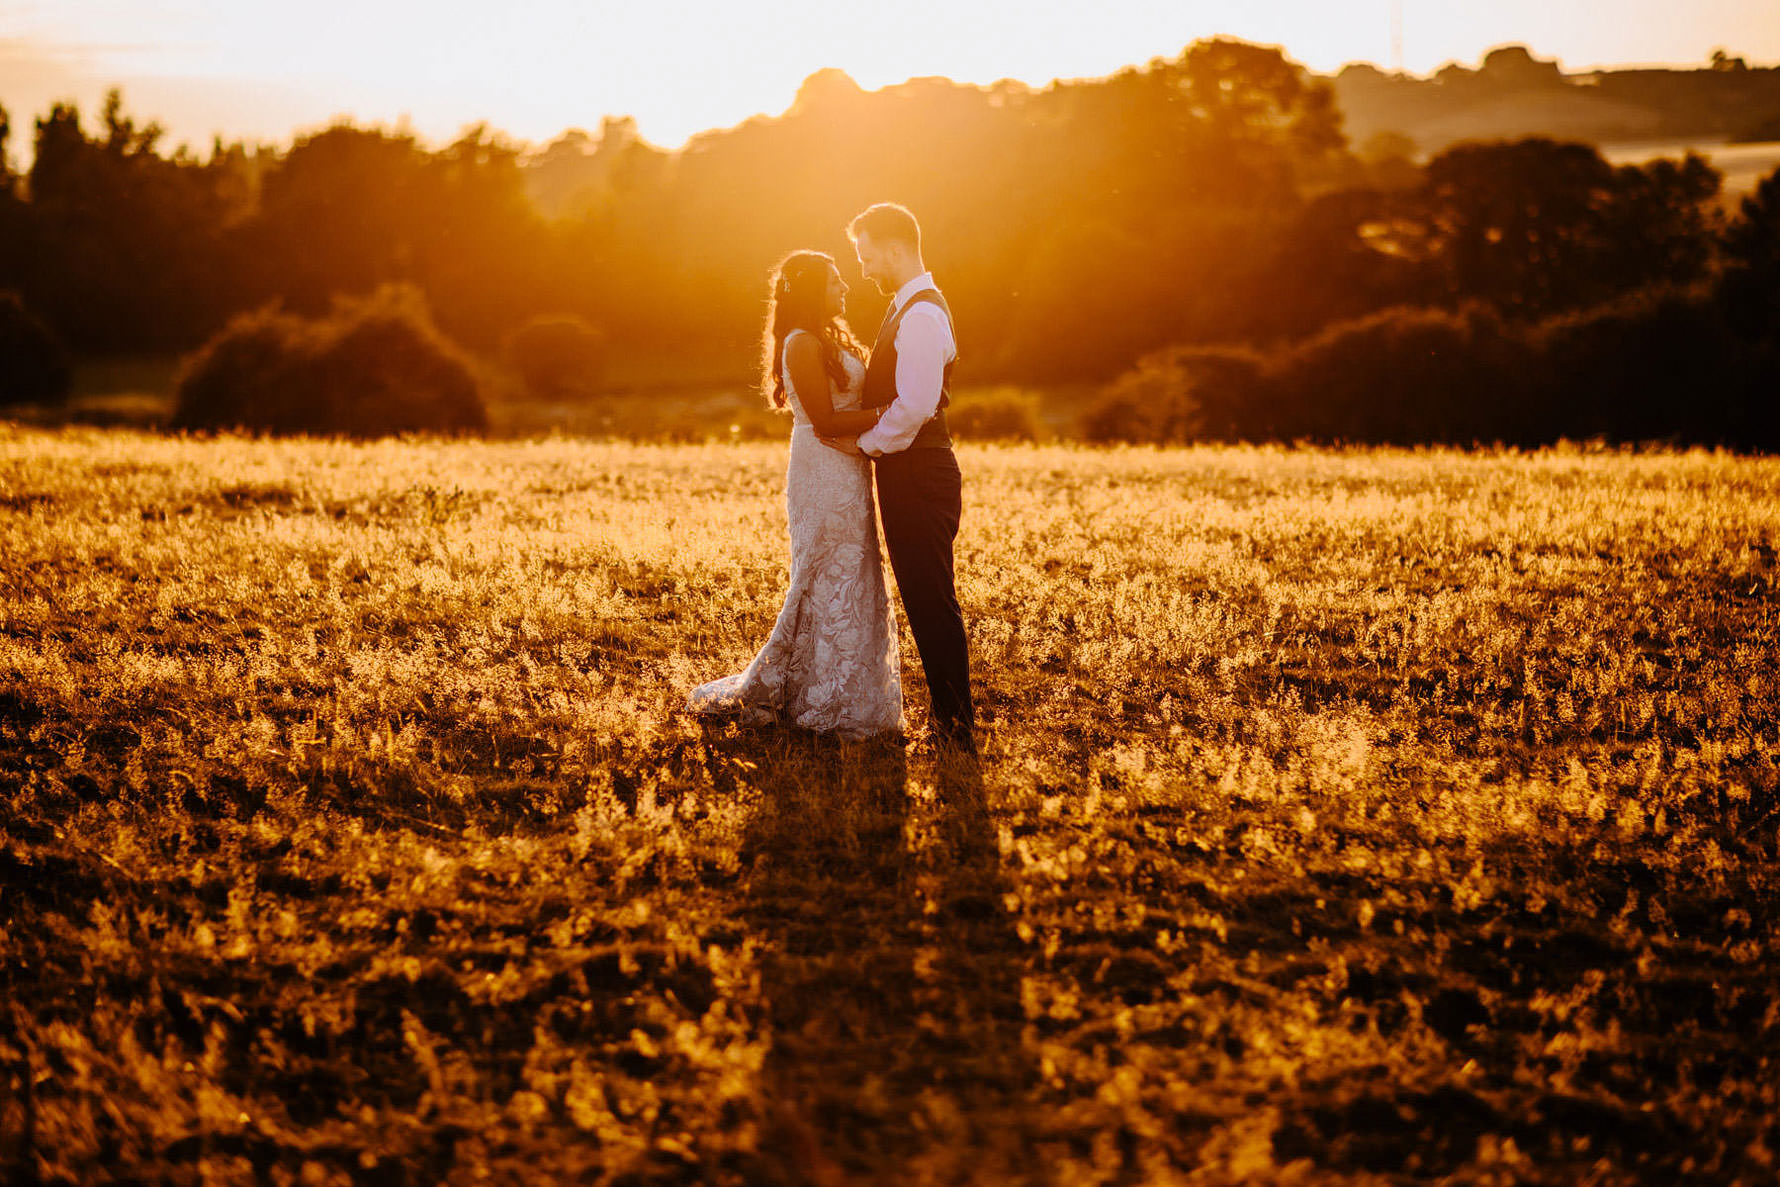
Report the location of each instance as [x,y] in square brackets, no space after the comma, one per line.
[1397,35]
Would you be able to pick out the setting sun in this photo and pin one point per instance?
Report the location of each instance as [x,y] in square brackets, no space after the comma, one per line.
[535,68]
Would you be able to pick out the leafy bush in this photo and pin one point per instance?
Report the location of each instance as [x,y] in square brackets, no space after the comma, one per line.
[373,366]
[33,364]
[557,356]
[1403,376]
[1173,396]
[1659,364]
[1000,414]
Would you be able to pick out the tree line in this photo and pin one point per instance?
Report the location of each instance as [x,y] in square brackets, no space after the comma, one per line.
[1206,200]
[1512,93]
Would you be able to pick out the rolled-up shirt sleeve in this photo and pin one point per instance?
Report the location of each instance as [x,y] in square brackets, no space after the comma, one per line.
[923,348]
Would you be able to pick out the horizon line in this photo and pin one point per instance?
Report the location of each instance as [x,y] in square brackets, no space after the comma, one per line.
[403,122]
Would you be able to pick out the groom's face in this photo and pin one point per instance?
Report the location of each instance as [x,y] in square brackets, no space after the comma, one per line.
[874,262]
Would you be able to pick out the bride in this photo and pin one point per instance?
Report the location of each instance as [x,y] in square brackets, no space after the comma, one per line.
[831,663]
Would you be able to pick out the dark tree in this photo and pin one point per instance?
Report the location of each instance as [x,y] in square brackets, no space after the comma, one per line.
[128,244]
[350,209]
[1750,287]
[1537,227]
[1334,262]
[17,236]
[338,214]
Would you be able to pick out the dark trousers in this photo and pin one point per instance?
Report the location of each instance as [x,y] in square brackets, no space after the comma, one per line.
[919,500]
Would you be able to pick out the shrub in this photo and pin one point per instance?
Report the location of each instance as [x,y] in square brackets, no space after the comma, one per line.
[1175,395]
[557,356]
[1000,414]
[373,366]
[1659,364]
[33,365]
[1400,376]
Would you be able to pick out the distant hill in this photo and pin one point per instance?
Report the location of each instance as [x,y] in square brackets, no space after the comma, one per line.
[1513,94]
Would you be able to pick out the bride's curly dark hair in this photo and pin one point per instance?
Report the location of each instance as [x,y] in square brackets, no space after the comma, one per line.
[800,302]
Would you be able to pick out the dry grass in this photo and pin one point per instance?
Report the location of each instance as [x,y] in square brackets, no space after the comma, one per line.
[1345,817]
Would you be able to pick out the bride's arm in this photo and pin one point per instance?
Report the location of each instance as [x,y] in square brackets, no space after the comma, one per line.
[803,357]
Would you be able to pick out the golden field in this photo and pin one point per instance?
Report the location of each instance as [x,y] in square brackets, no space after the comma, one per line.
[1344,817]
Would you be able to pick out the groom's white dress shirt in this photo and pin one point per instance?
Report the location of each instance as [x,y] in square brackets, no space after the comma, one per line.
[924,345]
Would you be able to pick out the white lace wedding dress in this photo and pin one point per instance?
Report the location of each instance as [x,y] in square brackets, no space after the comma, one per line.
[831,664]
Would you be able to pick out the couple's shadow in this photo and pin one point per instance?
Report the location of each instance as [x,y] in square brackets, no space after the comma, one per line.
[890,971]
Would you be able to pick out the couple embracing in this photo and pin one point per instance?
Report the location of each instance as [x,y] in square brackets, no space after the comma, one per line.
[860,419]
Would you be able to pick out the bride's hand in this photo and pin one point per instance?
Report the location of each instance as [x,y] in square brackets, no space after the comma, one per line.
[849,445]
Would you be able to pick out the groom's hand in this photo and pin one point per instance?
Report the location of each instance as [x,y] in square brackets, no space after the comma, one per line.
[844,444]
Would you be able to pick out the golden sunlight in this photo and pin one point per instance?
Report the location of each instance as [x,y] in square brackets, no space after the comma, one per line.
[535,67]
[1263,667]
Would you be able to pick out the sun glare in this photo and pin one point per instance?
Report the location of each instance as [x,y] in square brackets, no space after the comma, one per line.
[533,68]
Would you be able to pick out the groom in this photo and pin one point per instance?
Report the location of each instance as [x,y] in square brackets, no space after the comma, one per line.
[919,487]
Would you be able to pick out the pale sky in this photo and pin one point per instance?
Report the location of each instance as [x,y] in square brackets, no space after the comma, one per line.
[264,69]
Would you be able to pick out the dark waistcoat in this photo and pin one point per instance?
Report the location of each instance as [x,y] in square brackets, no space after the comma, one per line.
[880,374]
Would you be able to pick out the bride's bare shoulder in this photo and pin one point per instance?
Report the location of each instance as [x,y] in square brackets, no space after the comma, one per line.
[801,344]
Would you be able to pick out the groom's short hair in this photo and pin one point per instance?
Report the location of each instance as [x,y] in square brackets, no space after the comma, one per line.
[884,222]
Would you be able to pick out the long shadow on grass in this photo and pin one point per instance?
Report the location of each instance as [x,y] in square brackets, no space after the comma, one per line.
[891,973]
